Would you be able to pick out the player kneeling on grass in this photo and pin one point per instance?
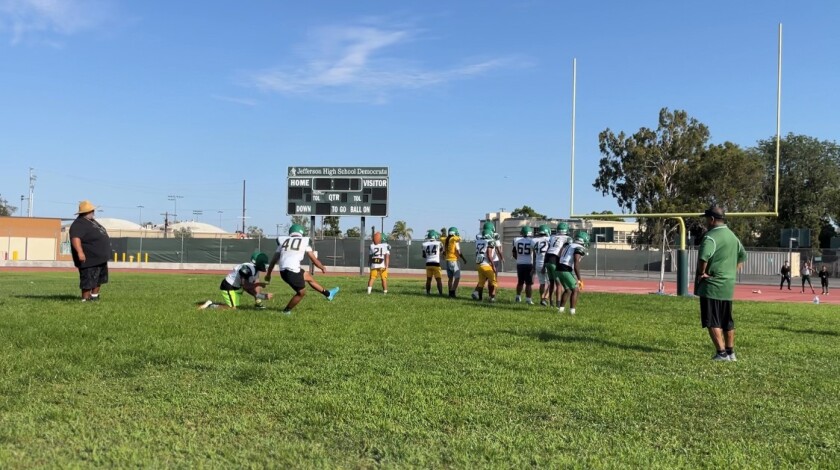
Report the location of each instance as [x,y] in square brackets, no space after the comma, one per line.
[570,279]
[290,252]
[431,253]
[244,277]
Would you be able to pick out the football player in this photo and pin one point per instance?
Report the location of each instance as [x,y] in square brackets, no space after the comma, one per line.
[452,251]
[485,246]
[570,279]
[540,246]
[379,259]
[245,277]
[552,258]
[290,252]
[431,253]
[524,253]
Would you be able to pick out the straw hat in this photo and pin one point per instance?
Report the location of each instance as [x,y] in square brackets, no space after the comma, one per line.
[85,207]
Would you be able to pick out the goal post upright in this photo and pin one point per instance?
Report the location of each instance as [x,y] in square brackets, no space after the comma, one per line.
[682,256]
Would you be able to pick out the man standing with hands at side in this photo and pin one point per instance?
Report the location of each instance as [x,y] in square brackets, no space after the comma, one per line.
[785,275]
[721,256]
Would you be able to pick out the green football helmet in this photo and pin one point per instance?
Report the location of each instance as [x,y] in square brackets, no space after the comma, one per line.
[260,260]
[544,229]
[432,235]
[488,235]
[297,228]
[526,231]
[454,231]
[563,228]
[582,237]
[487,225]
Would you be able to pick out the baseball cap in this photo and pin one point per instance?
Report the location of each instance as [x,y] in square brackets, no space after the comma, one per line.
[714,211]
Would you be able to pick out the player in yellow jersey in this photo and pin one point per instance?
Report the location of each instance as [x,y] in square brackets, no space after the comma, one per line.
[452,251]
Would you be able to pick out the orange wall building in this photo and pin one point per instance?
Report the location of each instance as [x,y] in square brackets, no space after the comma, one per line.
[32,239]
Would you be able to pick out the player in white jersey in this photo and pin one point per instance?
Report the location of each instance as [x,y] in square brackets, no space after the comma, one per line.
[485,246]
[290,252]
[379,258]
[552,259]
[524,254]
[244,277]
[431,252]
[540,247]
[570,279]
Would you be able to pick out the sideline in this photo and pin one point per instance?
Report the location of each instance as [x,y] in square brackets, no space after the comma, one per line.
[762,290]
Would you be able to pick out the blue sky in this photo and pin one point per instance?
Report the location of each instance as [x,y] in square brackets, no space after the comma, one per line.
[468,102]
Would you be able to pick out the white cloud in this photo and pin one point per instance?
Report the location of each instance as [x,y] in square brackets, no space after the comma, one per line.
[231,99]
[354,61]
[33,19]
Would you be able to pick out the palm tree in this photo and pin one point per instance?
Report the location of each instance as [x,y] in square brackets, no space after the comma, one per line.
[401,231]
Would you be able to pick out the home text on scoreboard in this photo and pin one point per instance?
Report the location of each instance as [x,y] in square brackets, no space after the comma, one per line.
[338,191]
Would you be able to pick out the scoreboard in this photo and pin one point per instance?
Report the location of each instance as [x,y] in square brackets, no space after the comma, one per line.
[338,191]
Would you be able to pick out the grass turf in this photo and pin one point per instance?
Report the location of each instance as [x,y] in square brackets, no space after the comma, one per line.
[143,378]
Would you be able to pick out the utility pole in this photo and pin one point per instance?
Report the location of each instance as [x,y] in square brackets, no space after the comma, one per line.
[165,223]
[243,206]
[32,179]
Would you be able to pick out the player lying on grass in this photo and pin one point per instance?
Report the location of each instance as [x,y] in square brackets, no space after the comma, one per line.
[290,252]
[245,277]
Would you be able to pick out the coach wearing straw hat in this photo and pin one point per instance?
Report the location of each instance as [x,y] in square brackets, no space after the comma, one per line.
[91,250]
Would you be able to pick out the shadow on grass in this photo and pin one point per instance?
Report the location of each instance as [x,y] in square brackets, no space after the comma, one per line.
[546,336]
[49,297]
[808,331]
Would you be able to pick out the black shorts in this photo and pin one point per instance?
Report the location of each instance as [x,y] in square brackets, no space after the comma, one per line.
[523,273]
[294,280]
[716,313]
[93,276]
[551,258]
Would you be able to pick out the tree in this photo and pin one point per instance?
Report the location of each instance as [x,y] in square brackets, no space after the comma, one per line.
[353,232]
[183,232]
[642,170]
[613,219]
[827,232]
[809,184]
[731,177]
[6,209]
[401,231]
[331,228]
[528,212]
[254,232]
[301,220]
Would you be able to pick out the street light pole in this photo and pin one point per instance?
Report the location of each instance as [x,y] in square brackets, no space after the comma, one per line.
[140,208]
[174,198]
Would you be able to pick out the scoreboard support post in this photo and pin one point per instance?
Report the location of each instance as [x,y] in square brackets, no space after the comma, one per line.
[312,235]
[362,248]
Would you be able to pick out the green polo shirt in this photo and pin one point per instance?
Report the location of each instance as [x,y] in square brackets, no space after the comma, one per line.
[722,250]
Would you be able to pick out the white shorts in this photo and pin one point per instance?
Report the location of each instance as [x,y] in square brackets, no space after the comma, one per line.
[541,276]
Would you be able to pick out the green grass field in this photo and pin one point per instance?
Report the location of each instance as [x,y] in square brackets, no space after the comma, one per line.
[143,378]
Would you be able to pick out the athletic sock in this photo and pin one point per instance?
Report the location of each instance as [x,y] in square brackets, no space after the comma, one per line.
[572,311]
[562,309]
[325,293]
[721,352]
[730,351]
[94,296]
[385,291]
[369,288]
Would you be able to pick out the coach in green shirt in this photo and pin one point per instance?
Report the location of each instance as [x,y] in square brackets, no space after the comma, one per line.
[720,258]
